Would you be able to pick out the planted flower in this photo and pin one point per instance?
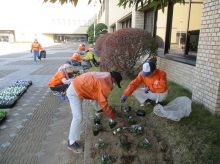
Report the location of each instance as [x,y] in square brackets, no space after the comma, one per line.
[101,144]
[144,144]
[131,120]
[126,115]
[106,159]
[124,142]
[112,123]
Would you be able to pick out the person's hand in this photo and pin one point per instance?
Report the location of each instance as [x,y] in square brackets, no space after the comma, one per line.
[123,98]
[146,89]
[112,115]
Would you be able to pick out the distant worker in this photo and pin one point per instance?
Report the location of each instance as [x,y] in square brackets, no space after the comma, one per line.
[36,47]
[76,59]
[81,49]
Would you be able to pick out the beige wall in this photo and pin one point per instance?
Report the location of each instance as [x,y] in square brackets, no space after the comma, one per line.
[116,13]
[206,88]
[177,72]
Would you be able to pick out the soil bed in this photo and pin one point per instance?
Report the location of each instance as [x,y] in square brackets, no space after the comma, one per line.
[122,146]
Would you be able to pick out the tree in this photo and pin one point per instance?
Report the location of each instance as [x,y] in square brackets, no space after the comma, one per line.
[98,30]
[152,3]
[126,50]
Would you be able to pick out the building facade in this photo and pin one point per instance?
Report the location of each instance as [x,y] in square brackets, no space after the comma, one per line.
[45,21]
[189,42]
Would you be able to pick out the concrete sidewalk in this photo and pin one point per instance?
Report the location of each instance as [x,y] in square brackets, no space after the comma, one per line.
[37,127]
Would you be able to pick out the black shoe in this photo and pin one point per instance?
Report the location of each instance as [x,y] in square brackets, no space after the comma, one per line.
[100,111]
[147,102]
[76,148]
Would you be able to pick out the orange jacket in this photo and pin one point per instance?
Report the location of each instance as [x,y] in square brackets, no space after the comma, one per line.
[76,56]
[81,48]
[95,86]
[36,46]
[56,79]
[159,75]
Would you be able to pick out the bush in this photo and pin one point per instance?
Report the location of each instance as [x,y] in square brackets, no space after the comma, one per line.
[126,50]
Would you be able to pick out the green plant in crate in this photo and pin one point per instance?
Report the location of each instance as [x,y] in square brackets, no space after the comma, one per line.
[3,113]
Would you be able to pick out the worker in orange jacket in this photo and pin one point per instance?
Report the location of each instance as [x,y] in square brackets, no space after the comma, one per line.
[36,47]
[95,86]
[81,49]
[155,85]
[76,59]
[60,82]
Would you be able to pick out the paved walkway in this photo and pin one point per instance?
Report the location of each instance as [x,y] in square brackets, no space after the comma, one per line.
[36,129]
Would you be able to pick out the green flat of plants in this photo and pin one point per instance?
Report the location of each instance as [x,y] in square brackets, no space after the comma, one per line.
[3,113]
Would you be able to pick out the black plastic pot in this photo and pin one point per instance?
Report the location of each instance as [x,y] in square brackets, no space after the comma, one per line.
[95,132]
[96,121]
[112,124]
[127,109]
[140,113]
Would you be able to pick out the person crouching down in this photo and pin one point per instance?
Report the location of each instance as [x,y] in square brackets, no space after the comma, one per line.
[60,82]
[155,85]
[95,86]
[76,59]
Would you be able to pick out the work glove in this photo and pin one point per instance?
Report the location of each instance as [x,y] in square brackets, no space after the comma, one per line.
[146,90]
[123,98]
[112,115]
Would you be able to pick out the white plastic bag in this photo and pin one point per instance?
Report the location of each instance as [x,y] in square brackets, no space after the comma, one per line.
[174,110]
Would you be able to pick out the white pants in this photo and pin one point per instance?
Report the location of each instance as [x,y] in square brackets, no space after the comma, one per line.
[141,96]
[77,114]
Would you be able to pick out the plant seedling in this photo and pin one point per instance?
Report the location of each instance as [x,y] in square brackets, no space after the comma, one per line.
[127,109]
[124,142]
[96,129]
[131,120]
[97,119]
[144,144]
[101,144]
[137,129]
[106,159]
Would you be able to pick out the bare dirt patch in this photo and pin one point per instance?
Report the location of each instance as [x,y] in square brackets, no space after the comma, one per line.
[124,146]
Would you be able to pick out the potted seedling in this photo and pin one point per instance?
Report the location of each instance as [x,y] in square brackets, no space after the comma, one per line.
[138,130]
[96,129]
[112,123]
[116,131]
[97,119]
[144,144]
[127,109]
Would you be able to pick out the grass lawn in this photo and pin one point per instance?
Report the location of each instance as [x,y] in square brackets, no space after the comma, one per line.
[193,139]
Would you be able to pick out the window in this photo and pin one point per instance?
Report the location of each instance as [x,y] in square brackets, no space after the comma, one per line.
[177,29]
[126,24]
